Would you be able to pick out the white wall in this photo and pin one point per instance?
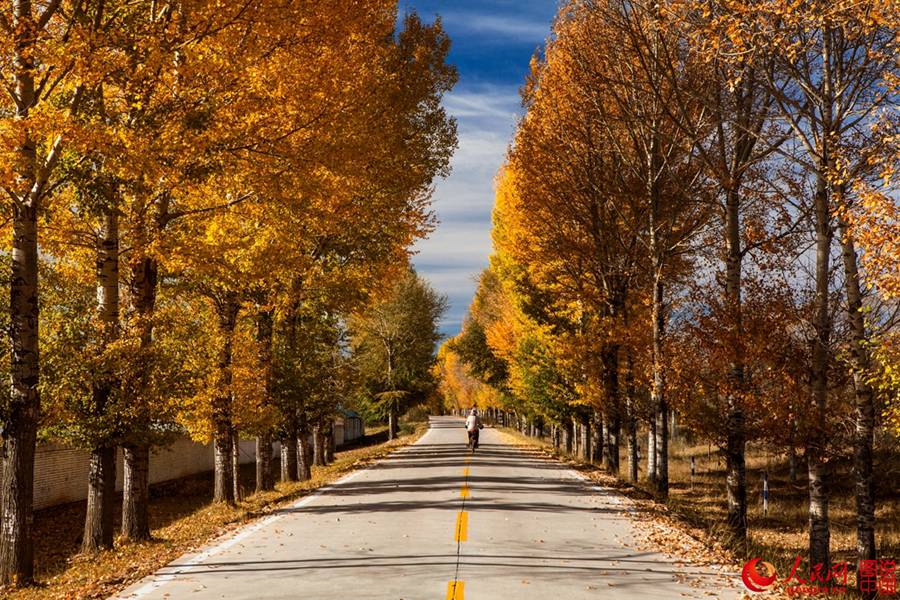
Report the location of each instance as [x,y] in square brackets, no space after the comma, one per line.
[60,473]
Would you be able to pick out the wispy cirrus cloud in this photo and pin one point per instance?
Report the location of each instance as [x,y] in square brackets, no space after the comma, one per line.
[487,101]
[497,26]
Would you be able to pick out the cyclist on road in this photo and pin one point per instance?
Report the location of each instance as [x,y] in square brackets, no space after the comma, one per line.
[473,424]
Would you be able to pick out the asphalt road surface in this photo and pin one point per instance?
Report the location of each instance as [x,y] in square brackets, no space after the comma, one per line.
[433,521]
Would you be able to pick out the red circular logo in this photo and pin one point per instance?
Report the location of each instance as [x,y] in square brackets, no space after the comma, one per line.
[756,581]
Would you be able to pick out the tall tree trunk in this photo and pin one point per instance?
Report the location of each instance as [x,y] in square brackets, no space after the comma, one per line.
[819,528]
[586,437]
[20,425]
[98,522]
[289,454]
[136,492]
[236,463]
[611,388]
[392,417]
[658,399]
[318,445]
[630,420]
[736,478]
[292,459]
[304,451]
[597,437]
[604,440]
[658,252]
[329,442]
[394,421]
[865,407]
[20,428]
[651,447]
[393,409]
[227,308]
[223,484]
[662,448]
[30,183]
[264,478]
[304,471]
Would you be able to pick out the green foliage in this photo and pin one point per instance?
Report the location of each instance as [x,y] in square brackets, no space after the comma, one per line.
[416,414]
[545,390]
[313,373]
[393,344]
[471,344]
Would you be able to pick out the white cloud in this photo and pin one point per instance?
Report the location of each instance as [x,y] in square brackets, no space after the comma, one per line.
[453,256]
[535,30]
[480,150]
[456,245]
[491,101]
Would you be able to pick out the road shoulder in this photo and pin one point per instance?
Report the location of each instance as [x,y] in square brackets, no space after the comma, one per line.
[657,527]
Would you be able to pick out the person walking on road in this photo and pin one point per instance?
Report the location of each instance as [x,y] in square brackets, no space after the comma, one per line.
[473,424]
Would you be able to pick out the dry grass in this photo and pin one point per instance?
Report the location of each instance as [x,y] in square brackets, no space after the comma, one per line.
[700,512]
[781,535]
[182,518]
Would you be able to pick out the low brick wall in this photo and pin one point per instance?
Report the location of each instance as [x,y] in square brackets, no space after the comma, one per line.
[60,472]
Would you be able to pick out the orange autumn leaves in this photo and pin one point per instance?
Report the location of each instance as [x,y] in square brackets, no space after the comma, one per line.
[691,203]
[273,135]
[260,159]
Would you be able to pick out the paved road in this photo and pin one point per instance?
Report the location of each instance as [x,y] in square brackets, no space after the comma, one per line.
[433,522]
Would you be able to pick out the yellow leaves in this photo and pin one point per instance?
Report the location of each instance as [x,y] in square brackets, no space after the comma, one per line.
[886,378]
[874,224]
[258,148]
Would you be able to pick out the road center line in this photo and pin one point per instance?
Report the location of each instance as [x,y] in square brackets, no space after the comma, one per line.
[462,527]
[455,590]
[455,587]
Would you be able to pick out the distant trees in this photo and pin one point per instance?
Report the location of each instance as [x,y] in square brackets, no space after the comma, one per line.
[393,343]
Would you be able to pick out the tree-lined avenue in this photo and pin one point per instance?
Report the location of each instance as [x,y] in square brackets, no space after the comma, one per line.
[533,529]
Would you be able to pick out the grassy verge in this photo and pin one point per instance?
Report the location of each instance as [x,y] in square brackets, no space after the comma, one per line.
[781,534]
[697,510]
[182,519]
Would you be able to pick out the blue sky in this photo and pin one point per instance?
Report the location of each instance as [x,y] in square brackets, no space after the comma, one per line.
[493,42]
